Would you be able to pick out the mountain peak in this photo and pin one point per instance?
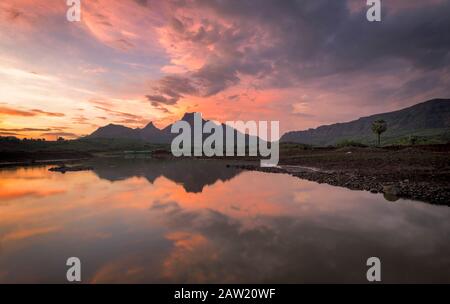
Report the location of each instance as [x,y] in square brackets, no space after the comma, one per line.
[113,131]
[150,133]
[112,125]
[150,125]
[189,115]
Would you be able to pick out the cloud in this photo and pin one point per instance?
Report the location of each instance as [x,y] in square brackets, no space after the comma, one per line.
[120,113]
[200,54]
[80,119]
[27,14]
[101,102]
[28,233]
[26,130]
[28,113]
[8,134]
[285,44]
[169,90]
[60,134]
[14,112]
[52,114]
[122,25]
[53,132]
[159,99]
[125,117]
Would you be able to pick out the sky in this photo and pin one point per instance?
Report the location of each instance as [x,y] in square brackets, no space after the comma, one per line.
[303,63]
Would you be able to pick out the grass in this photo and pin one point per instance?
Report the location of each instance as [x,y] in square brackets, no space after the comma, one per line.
[350,143]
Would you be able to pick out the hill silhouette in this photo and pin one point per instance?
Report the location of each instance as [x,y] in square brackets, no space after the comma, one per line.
[152,134]
[429,118]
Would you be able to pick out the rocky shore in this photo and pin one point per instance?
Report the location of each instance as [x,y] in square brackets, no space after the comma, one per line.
[414,174]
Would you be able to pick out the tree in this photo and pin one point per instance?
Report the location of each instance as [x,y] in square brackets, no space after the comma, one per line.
[379,127]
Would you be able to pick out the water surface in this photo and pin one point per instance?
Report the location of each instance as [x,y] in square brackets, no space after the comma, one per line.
[147,221]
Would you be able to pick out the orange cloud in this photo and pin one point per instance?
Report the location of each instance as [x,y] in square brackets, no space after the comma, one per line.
[27,233]
[229,61]
[52,114]
[15,112]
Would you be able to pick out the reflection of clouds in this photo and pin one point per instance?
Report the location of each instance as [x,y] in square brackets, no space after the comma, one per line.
[9,194]
[158,205]
[19,235]
[210,247]
[301,197]
[121,270]
[23,183]
[191,253]
[254,227]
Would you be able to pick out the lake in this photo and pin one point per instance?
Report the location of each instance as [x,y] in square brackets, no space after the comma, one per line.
[185,221]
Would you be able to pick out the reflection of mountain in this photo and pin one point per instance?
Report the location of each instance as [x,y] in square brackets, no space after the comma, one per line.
[194,175]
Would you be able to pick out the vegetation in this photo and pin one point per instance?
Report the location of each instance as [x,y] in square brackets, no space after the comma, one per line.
[419,139]
[291,147]
[413,140]
[12,144]
[429,119]
[350,143]
[379,127]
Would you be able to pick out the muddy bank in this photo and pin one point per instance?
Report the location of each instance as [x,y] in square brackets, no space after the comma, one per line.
[74,168]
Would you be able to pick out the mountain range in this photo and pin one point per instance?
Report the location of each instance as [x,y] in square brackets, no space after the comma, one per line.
[424,119]
[429,118]
[151,133]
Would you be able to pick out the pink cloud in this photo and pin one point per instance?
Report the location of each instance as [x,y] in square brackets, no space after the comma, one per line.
[305,65]
[123,25]
[30,15]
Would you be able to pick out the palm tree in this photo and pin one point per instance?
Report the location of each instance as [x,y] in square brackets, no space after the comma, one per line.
[378,127]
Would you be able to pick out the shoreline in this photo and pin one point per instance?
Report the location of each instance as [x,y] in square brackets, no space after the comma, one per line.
[424,192]
[409,174]
[419,173]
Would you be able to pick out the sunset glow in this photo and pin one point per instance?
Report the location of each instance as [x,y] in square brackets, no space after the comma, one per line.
[130,62]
